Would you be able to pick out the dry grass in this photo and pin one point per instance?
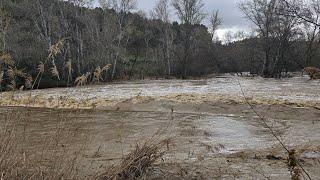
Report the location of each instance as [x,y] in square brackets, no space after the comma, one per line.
[137,163]
[52,158]
[68,66]
[40,69]
[54,72]
[97,74]
[12,72]
[106,67]
[16,162]
[56,48]
[82,80]
[7,59]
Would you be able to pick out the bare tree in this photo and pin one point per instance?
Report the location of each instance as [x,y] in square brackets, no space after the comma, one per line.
[215,22]
[286,29]
[300,9]
[262,14]
[312,31]
[41,22]
[122,7]
[161,12]
[276,29]
[82,3]
[190,12]
[4,25]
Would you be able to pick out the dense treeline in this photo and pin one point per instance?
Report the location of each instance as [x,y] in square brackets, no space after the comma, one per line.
[53,42]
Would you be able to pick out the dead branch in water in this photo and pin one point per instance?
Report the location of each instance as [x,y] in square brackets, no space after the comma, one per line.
[271,130]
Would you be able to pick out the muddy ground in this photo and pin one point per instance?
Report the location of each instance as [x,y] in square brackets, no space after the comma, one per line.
[212,138]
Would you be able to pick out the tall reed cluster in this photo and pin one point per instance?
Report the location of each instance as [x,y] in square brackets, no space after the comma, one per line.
[53,161]
[9,74]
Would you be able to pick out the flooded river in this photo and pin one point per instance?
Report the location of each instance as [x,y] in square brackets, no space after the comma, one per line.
[297,91]
[214,132]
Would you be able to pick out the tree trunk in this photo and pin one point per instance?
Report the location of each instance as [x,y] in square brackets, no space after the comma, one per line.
[266,65]
[118,47]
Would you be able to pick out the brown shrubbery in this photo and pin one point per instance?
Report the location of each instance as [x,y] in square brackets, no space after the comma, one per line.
[137,163]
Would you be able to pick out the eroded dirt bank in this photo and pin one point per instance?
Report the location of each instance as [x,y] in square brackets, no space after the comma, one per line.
[214,133]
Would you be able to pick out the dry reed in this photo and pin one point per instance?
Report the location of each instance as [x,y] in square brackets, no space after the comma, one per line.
[82,80]
[53,162]
[54,72]
[68,65]
[106,67]
[56,48]
[97,74]
[137,163]
[7,59]
[40,69]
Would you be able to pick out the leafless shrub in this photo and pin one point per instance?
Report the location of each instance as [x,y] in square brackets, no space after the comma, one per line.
[136,163]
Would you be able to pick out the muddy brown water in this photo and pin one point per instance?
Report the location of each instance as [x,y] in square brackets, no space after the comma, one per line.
[210,139]
[228,145]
